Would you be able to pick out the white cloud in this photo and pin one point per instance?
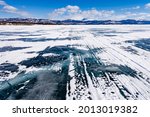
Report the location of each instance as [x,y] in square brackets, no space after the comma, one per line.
[136,7]
[132,8]
[131,15]
[74,12]
[2,2]
[11,9]
[147,6]
[72,9]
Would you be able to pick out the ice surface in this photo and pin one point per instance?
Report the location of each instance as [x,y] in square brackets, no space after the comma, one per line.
[76,62]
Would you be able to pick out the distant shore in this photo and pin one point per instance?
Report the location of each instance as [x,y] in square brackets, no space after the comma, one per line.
[30,21]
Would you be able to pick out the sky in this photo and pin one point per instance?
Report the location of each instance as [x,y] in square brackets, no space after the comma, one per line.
[76,9]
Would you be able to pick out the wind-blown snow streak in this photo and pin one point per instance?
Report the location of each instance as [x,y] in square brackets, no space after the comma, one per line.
[79,62]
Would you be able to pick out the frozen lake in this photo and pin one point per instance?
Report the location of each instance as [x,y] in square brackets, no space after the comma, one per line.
[81,62]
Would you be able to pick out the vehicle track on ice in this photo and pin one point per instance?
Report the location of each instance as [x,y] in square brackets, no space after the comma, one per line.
[128,85]
[137,91]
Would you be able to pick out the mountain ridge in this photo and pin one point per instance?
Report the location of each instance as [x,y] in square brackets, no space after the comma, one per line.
[30,21]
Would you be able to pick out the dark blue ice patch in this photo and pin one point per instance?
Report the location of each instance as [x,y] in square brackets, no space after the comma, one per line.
[62,50]
[8,67]
[130,49]
[62,53]
[10,48]
[13,33]
[107,35]
[41,39]
[142,43]
[112,69]
[42,61]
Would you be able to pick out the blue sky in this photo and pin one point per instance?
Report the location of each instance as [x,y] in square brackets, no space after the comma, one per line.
[76,9]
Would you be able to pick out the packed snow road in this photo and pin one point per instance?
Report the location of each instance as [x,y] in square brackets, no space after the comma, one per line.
[75,62]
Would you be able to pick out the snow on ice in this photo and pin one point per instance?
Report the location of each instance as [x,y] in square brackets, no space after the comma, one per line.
[82,62]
